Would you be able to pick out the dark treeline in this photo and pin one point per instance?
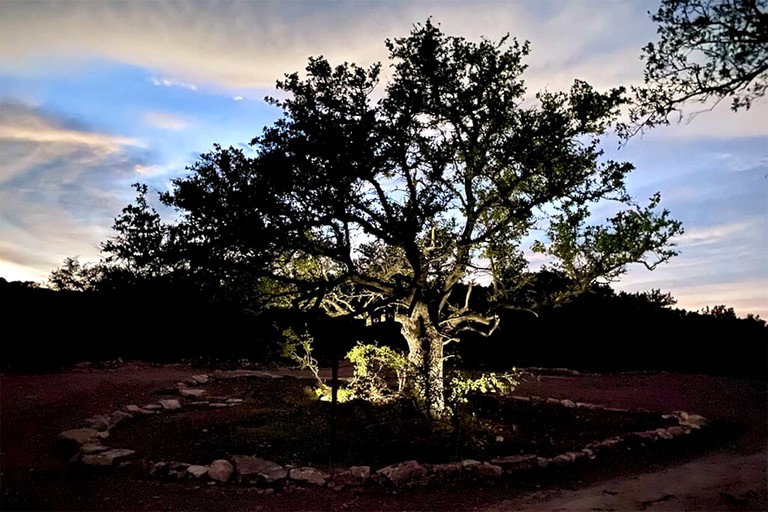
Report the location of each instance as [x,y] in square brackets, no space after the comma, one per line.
[47,330]
[604,331]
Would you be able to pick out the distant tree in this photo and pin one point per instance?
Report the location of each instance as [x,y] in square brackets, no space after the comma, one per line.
[707,50]
[141,245]
[652,299]
[75,276]
[28,285]
[720,311]
[355,205]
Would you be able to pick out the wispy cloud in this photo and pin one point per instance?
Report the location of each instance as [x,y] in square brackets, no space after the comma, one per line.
[147,169]
[166,121]
[251,44]
[61,186]
[21,123]
[173,82]
[713,234]
[245,46]
[30,137]
[49,134]
[719,264]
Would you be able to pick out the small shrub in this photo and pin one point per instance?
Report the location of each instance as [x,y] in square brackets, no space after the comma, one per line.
[460,385]
[380,373]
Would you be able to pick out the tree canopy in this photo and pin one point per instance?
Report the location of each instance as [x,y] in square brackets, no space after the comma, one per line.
[361,200]
[708,50]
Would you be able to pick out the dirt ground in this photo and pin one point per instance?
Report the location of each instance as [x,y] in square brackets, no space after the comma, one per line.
[34,475]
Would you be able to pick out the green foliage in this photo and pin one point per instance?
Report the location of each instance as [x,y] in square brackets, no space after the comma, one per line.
[707,50]
[461,385]
[298,348]
[587,253]
[380,373]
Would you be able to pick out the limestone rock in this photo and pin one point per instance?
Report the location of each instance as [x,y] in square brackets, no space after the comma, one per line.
[607,444]
[567,457]
[170,404]
[159,469]
[199,471]
[403,472]
[152,407]
[79,436]
[353,476]
[677,431]
[647,435]
[515,462]
[266,470]
[198,404]
[221,470]
[310,476]
[99,422]
[200,379]
[568,403]
[446,470]
[692,420]
[118,416]
[469,464]
[488,471]
[191,392]
[235,374]
[108,458]
[92,447]
[135,409]
[267,375]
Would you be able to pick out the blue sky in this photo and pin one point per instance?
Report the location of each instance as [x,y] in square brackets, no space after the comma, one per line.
[95,96]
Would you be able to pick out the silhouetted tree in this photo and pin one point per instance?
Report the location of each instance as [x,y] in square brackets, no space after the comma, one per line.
[707,50]
[141,245]
[74,276]
[354,205]
[720,311]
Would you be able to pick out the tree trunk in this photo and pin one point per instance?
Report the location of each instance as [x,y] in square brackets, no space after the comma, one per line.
[425,351]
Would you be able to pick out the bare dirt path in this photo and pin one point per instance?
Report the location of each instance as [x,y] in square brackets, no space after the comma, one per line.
[735,477]
[33,475]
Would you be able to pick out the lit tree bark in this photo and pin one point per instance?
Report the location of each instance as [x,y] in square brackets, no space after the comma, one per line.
[425,351]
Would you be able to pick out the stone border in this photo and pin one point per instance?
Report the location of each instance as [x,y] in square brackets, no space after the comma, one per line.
[269,476]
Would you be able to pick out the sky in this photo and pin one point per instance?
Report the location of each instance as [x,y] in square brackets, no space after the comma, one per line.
[95,96]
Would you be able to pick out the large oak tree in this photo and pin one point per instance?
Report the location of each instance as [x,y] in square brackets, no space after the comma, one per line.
[367,197]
